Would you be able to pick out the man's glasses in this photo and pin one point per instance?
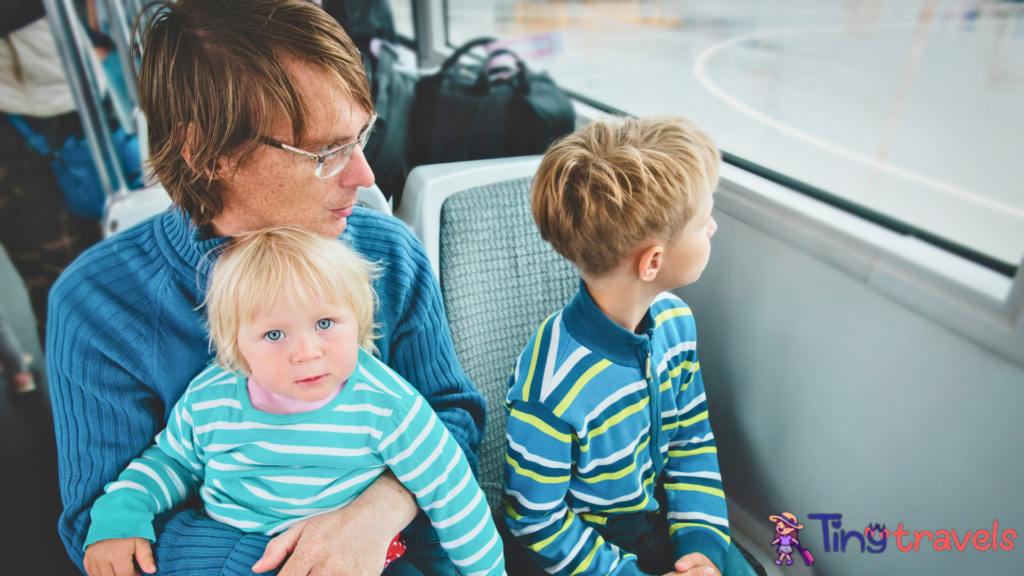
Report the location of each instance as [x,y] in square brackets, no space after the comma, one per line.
[330,161]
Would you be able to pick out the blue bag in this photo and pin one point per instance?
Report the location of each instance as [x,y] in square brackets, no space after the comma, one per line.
[76,172]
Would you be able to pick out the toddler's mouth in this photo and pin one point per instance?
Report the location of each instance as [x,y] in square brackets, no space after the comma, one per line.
[312,381]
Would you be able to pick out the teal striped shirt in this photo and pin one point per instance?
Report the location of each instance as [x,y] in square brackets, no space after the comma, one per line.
[598,416]
[262,472]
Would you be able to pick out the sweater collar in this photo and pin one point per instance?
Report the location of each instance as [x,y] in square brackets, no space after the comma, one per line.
[198,248]
[193,245]
[589,326]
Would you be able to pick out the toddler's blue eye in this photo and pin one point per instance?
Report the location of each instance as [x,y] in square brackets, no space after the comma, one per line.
[274,335]
[324,323]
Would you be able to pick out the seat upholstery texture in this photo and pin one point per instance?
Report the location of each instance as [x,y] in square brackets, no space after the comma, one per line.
[499,281]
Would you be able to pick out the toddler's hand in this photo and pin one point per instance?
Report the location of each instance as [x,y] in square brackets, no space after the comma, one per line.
[695,564]
[114,556]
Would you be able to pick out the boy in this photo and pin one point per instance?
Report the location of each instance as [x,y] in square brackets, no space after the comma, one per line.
[611,465]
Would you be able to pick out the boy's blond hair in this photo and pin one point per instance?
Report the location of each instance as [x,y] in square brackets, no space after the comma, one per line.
[259,267]
[604,189]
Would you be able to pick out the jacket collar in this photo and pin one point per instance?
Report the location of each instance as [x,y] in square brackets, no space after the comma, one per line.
[589,326]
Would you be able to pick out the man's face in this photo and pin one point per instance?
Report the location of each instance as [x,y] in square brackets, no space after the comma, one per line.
[281,188]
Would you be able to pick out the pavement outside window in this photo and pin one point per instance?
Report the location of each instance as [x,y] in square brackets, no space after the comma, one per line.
[911,108]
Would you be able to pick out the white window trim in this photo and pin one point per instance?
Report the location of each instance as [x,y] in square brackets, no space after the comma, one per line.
[965,297]
[969,299]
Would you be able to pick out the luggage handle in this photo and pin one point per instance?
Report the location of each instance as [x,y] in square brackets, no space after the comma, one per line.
[518,79]
[463,50]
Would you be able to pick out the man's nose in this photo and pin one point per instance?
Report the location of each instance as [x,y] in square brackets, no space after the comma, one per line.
[357,172]
[712,228]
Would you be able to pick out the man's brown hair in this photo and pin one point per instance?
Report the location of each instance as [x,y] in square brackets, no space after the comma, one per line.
[214,74]
[604,189]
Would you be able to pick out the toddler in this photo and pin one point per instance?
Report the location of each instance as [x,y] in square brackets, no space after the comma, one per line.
[294,418]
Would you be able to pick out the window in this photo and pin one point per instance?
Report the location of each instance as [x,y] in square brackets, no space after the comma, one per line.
[907,111]
[401,10]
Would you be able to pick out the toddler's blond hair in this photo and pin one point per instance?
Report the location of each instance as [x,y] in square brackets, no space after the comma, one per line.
[602,190]
[259,267]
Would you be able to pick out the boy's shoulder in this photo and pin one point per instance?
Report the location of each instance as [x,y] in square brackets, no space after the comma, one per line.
[553,369]
[672,317]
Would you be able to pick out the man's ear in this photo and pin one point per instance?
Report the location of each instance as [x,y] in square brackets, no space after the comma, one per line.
[650,262]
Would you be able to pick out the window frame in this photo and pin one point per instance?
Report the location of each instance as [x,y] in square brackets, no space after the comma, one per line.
[894,224]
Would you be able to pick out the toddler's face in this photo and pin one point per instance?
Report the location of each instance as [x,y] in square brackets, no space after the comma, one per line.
[301,351]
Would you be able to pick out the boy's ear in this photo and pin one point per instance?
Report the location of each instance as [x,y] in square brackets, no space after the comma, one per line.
[650,263]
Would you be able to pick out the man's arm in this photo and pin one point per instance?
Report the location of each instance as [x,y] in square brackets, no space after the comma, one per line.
[162,478]
[104,415]
[422,352]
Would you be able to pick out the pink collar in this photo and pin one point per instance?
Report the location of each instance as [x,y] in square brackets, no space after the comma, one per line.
[266,401]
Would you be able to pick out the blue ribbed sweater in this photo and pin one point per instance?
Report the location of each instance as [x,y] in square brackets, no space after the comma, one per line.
[124,339]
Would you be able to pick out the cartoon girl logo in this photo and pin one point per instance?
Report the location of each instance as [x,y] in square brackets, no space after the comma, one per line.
[786,529]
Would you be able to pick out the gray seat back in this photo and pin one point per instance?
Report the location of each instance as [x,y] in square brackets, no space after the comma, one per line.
[499,281]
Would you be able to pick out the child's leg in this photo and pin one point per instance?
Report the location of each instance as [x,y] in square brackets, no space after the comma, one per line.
[517,559]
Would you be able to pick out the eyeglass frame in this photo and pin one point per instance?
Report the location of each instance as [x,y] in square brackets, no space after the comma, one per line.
[361,139]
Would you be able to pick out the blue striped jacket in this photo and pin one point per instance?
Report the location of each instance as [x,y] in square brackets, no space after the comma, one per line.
[598,416]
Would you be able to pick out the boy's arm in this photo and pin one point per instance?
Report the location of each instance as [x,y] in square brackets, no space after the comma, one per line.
[697,515]
[161,478]
[427,460]
[538,468]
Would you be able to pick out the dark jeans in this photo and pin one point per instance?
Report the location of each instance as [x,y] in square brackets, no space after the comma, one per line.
[423,555]
[40,237]
[644,534]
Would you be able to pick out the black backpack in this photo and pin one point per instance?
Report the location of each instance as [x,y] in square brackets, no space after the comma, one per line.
[472,112]
[386,151]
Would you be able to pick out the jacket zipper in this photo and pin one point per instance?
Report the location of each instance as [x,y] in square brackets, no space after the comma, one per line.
[655,393]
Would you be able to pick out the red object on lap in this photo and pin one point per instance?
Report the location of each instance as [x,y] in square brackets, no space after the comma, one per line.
[395,550]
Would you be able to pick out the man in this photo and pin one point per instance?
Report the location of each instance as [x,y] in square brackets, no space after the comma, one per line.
[250,105]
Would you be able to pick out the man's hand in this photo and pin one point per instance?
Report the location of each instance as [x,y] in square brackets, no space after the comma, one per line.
[113,557]
[695,564]
[351,541]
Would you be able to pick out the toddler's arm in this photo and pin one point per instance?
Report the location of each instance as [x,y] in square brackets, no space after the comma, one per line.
[162,477]
[428,461]
[697,515]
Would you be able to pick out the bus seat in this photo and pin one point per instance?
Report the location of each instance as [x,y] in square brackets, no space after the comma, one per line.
[128,209]
[499,280]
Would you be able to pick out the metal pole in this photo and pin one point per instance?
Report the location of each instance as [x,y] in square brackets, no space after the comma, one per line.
[73,46]
[123,41]
[423,23]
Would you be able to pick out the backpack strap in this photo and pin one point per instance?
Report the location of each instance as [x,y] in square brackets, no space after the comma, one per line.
[37,141]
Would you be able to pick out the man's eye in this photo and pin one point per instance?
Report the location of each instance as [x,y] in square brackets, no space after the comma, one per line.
[324,323]
[274,335]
